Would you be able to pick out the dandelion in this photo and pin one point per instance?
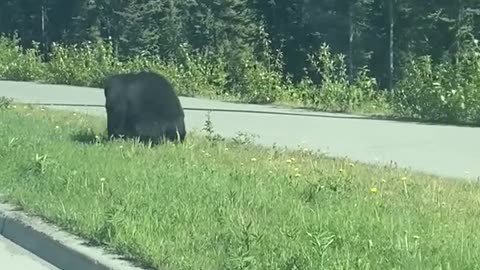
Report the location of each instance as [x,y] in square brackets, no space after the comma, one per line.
[57,127]
[404,178]
[374,190]
[226,148]
[297,175]
[253,159]
[289,161]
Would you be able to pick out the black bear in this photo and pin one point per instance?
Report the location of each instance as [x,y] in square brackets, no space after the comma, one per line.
[143,105]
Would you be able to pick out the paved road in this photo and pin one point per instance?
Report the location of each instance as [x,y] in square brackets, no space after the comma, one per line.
[13,257]
[443,150]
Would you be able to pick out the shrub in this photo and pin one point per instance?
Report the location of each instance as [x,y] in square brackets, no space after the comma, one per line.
[446,91]
[18,64]
[86,64]
[335,92]
[245,74]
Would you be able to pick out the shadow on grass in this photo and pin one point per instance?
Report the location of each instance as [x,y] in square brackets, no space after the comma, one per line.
[88,137]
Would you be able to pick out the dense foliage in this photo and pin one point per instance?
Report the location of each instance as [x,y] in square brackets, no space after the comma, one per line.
[262,51]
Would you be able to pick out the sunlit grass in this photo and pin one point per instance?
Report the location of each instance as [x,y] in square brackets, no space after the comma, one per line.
[213,204]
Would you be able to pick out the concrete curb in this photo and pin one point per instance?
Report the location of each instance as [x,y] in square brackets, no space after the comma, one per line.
[59,248]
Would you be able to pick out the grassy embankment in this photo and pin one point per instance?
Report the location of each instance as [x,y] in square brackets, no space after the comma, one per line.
[210,204]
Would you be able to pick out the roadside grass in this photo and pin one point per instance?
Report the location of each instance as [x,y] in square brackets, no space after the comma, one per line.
[226,204]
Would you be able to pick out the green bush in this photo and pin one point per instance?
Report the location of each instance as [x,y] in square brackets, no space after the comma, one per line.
[335,93]
[249,76]
[448,91]
[85,64]
[17,64]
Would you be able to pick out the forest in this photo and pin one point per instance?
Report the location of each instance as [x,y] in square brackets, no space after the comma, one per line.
[410,58]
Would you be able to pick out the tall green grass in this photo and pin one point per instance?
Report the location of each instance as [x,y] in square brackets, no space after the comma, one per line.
[225,204]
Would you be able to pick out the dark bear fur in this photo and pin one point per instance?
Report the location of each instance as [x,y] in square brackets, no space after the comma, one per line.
[143,105]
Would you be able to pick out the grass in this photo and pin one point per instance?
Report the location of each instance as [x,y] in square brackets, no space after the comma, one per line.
[213,204]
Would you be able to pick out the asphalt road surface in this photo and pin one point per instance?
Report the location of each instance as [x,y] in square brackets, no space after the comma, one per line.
[443,150]
[13,257]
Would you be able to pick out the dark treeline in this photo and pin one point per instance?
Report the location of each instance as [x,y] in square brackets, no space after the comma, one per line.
[379,34]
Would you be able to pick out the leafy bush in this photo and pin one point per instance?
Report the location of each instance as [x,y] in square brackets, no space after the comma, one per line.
[85,64]
[335,93]
[447,91]
[18,64]
[228,73]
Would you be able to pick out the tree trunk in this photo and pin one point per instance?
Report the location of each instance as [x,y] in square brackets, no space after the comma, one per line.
[390,45]
[350,41]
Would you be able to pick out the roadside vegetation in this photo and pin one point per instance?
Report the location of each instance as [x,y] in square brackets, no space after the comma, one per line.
[216,203]
[410,59]
[198,75]
[446,92]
